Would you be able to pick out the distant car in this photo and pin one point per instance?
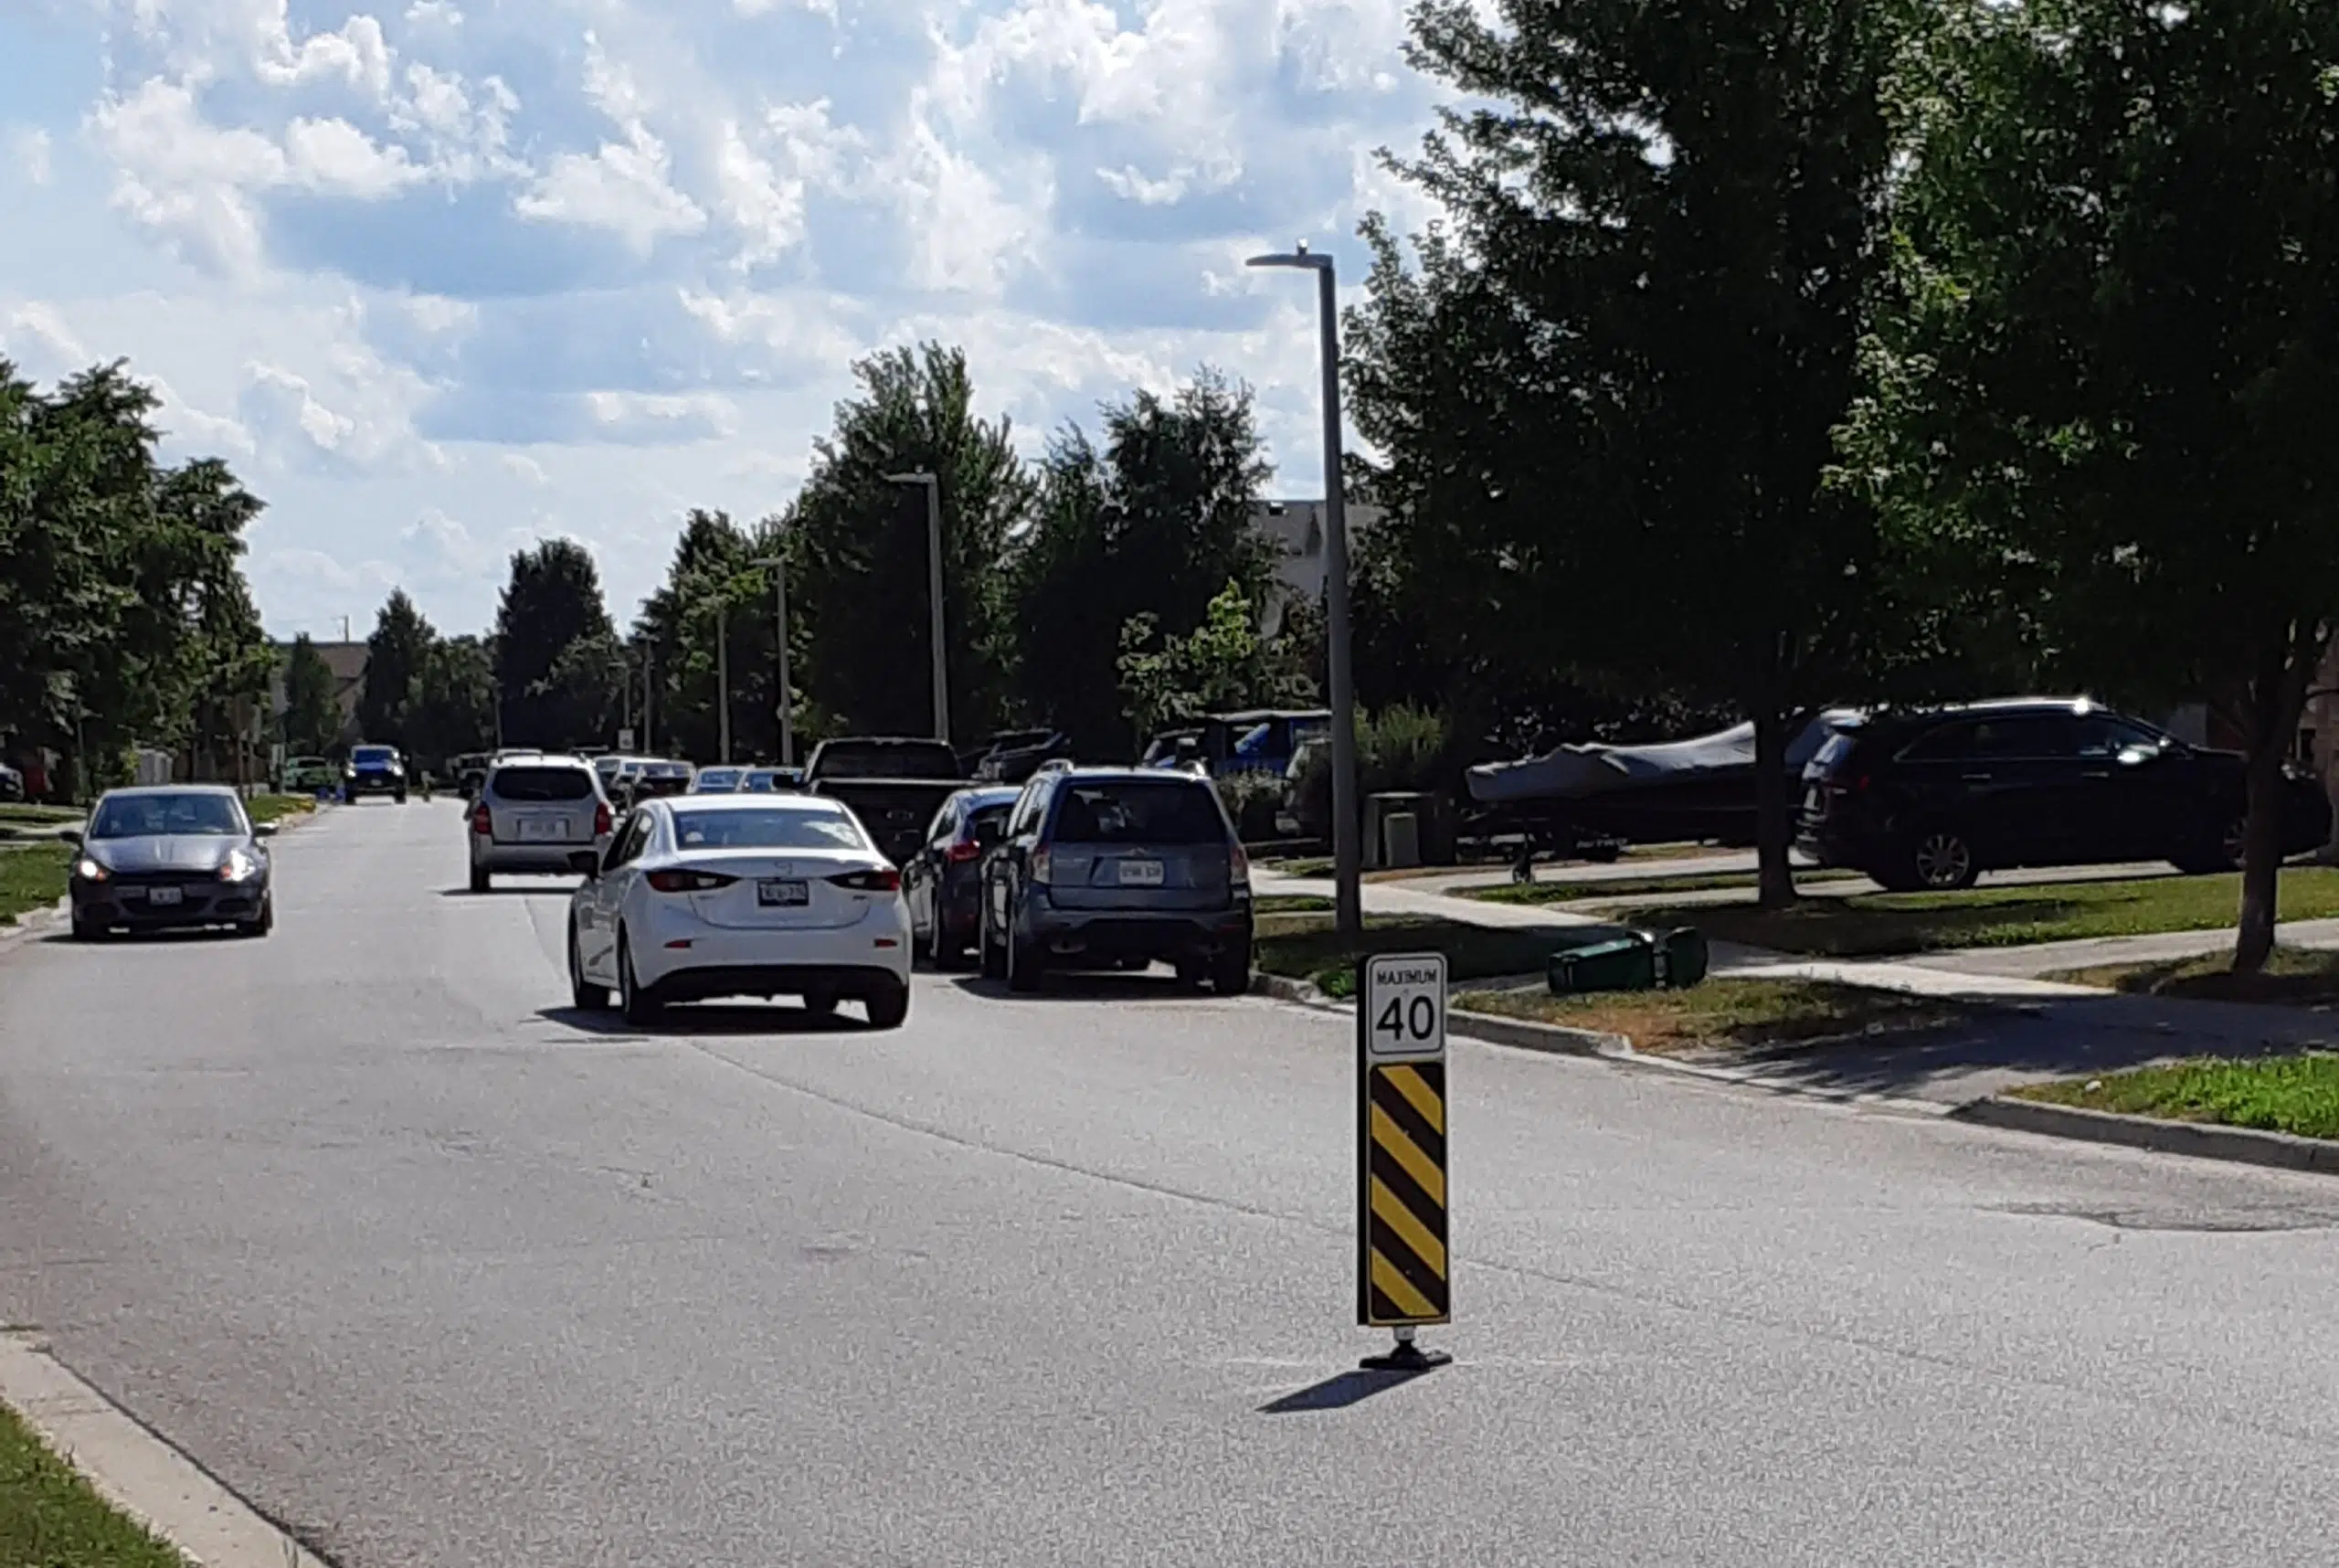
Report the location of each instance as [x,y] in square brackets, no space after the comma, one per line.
[650,778]
[716,896]
[531,817]
[170,857]
[719,781]
[1931,799]
[943,880]
[374,770]
[605,768]
[1117,863]
[767,781]
[307,774]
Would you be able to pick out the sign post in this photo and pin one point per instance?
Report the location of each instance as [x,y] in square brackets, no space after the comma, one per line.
[1404,1272]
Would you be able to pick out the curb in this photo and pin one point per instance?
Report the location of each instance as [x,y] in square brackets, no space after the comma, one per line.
[136,1472]
[2200,1140]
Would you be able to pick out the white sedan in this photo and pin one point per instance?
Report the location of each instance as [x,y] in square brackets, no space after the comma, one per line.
[708,896]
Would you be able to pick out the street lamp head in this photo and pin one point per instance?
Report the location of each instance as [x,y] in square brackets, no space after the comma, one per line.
[909,479]
[1299,256]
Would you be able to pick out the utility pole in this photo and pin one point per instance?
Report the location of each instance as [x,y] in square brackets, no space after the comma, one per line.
[723,677]
[777,567]
[934,595]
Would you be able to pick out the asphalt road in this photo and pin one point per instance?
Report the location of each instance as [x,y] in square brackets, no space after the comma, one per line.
[441,1275]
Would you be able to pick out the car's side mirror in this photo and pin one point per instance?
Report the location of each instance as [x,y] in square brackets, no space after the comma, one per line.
[263,830]
[585,864]
[73,836]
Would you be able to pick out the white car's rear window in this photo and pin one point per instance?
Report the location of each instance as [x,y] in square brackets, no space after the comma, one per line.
[776,829]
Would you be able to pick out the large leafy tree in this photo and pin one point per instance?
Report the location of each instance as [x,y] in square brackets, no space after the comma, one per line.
[1607,388]
[394,654]
[311,707]
[857,549]
[553,693]
[453,705]
[2113,382]
[1157,523]
[709,585]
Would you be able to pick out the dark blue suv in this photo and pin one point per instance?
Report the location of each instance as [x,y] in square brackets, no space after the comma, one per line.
[1107,865]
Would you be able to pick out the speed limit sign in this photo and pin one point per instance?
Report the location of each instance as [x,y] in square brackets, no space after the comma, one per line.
[1403,999]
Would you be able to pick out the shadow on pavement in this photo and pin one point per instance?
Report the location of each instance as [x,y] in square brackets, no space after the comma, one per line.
[1338,1393]
[700,1019]
[512,890]
[2054,1037]
[1087,985]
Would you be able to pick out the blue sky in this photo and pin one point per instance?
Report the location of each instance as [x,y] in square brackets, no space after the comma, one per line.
[442,277]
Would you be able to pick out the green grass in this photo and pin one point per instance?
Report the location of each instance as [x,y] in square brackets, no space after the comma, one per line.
[1726,1014]
[32,878]
[1874,924]
[1291,904]
[1639,886]
[49,1517]
[2293,977]
[24,816]
[1305,946]
[276,808]
[2281,1094]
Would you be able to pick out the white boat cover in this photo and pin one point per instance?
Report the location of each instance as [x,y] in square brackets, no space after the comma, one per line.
[1572,772]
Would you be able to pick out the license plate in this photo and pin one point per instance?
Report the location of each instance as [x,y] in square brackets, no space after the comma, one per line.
[541,828]
[1140,874]
[773,893]
[159,896]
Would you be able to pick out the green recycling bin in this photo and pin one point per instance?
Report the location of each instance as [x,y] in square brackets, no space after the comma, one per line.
[1622,963]
[1681,958]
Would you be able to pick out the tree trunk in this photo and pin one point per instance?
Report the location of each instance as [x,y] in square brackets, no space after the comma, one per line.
[2270,718]
[1772,805]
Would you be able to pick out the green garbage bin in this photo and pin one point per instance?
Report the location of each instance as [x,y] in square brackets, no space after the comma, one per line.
[1622,963]
[1681,958]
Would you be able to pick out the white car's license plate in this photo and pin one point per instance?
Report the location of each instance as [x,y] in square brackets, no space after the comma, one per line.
[1140,874]
[542,828]
[164,894]
[776,892]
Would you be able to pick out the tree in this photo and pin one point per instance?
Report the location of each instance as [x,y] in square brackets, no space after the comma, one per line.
[1220,664]
[1158,522]
[553,601]
[311,705]
[857,549]
[2113,376]
[677,629]
[394,654]
[1608,391]
[453,709]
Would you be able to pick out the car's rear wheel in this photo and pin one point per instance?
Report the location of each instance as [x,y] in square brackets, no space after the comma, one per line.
[1940,859]
[889,1009]
[941,948]
[1230,974]
[635,1001]
[994,952]
[479,879]
[583,993]
[821,1003]
[2220,851]
[399,797]
[1025,967]
[1192,973]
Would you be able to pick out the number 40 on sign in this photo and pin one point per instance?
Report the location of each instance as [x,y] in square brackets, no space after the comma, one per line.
[1404,996]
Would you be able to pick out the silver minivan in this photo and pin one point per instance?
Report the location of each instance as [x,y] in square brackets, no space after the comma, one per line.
[533,814]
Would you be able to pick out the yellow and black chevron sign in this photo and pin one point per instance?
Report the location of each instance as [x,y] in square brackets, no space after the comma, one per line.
[1403,1272]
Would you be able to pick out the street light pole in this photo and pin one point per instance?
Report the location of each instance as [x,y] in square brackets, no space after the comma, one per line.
[934,595]
[723,677]
[777,567]
[1346,860]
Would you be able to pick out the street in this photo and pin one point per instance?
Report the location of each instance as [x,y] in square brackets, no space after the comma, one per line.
[439,1273]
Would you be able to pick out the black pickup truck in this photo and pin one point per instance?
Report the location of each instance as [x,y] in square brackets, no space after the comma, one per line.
[893,786]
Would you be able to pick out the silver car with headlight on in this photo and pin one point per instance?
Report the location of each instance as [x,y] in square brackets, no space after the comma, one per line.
[170,856]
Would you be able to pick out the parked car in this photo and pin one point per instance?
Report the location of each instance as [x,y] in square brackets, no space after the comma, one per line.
[718,781]
[170,856]
[1012,756]
[1117,863]
[769,780]
[1931,799]
[943,880]
[651,777]
[605,768]
[895,785]
[372,770]
[307,774]
[533,815]
[735,895]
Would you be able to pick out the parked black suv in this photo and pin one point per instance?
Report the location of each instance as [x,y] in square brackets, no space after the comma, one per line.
[1932,799]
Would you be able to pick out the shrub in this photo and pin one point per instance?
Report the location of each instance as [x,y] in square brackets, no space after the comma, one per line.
[1253,797]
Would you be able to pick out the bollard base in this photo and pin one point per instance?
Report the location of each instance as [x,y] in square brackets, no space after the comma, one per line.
[1406,1357]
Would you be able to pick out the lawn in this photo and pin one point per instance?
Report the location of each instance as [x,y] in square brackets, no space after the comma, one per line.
[1873,923]
[2279,1094]
[2294,976]
[1726,1014]
[1305,946]
[49,1517]
[32,877]
[1291,904]
[18,815]
[1639,886]
[276,808]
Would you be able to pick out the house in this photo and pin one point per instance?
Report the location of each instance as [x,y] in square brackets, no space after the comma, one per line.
[1296,529]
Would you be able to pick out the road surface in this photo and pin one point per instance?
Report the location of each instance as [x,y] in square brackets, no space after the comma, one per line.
[441,1274]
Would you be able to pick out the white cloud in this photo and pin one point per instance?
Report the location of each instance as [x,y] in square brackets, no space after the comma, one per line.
[42,342]
[31,145]
[526,468]
[354,53]
[336,157]
[661,419]
[622,186]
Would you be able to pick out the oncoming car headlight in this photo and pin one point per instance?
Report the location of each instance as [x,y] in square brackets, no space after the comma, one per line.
[239,866]
[88,869]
